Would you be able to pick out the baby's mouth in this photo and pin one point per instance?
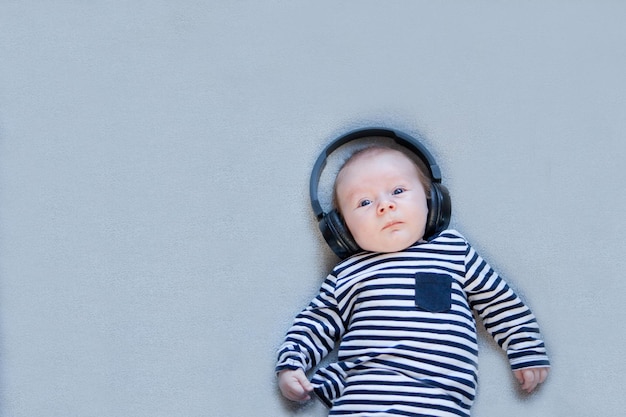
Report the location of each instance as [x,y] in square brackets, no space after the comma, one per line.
[391,223]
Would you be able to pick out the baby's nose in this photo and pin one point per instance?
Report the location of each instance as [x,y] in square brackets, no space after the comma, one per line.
[385,206]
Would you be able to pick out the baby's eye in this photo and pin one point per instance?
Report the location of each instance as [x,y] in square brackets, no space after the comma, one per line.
[364,203]
[398,190]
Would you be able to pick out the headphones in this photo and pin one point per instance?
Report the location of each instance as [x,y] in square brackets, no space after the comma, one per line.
[331,224]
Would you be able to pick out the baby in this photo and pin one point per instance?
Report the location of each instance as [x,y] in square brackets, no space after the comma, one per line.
[401,309]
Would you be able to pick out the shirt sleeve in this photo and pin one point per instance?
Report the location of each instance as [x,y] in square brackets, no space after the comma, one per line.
[504,315]
[314,331]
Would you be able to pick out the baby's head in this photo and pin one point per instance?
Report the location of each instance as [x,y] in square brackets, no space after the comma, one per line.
[381,194]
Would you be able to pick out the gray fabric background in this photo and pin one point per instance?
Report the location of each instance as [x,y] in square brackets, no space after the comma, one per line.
[156,238]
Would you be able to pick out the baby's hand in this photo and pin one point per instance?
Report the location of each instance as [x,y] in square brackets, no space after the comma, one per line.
[294,384]
[529,378]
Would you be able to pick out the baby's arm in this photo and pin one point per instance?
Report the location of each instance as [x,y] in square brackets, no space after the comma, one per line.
[312,336]
[508,320]
[529,378]
[294,384]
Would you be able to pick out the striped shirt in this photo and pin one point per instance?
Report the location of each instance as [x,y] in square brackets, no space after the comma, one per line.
[406,332]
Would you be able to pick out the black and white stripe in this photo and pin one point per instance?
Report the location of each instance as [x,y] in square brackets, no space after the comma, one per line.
[397,357]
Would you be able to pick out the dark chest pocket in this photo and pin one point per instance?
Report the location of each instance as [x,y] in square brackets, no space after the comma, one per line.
[433,292]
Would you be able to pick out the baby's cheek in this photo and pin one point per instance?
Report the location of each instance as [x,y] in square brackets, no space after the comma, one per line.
[365,241]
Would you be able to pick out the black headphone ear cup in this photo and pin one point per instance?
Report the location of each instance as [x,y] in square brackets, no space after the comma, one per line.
[439,210]
[337,235]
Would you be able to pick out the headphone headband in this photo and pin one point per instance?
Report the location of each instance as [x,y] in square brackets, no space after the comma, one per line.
[399,137]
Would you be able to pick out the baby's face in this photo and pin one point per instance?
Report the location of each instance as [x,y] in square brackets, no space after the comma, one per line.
[382,201]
